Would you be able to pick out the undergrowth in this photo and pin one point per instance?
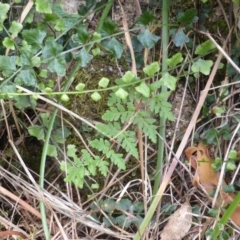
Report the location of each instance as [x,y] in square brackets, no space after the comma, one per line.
[39,64]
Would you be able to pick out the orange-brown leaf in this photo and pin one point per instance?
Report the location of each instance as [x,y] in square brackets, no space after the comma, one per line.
[200,160]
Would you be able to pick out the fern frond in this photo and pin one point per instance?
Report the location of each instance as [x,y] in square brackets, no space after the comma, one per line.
[146,124]
[127,139]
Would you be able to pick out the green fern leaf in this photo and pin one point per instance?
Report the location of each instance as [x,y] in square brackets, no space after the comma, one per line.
[128,142]
[109,129]
[103,167]
[111,115]
[146,124]
[117,159]
[101,145]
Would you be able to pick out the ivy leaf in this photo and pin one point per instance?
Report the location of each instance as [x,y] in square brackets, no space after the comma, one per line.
[145,18]
[203,66]
[204,48]
[169,81]
[64,18]
[151,69]
[147,39]
[43,6]
[25,59]
[179,37]
[108,27]
[4,8]
[15,28]
[81,36]
[143,89]
[8,65]
[174,60]
[8,43]
[26,77]
[189,16]
[37,131]
[83,56]
[113,46]
[51,54]
[34,38]
[23,102]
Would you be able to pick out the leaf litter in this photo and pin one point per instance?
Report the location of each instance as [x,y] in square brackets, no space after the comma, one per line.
[206,177]
[178,224]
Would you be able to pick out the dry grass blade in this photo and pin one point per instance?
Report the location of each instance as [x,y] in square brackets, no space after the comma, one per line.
[63,205]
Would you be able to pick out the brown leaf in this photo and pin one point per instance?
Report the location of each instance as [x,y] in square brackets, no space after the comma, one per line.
[178,224]
[205,175]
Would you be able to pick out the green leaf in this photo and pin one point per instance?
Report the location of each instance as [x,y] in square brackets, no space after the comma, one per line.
[113,46]
[83,56]
[65,98]
[174,60]
[8,65]
[169,81]
[80,87]
[143,89]
[128,77]
[23,102]
[145,18]
[26,77]
[204,48]
[231,165]
[229,189]
[4,8]
[121,93]
[8,43]
[233,154]
[203,66]
[103,167]
[211,136]
[96,96]
[15,28]
[103,82]
[82,35]
[180,38]
[146,124]
[213,212]
[96,51]
[34,38]
[218,111]
[52,150]
[51,54]
[37,131]
[108,27]
[43,6]
[189,16]
[147,39]
[151,69]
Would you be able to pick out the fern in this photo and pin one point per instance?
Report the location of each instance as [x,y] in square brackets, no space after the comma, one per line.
[127,139]
[146,124]
[158,105]
[104,147]
[79,169]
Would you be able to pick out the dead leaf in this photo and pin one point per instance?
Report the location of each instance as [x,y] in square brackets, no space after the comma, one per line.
[206,177]
[178,224]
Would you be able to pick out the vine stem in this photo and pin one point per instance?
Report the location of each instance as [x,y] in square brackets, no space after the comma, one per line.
[162,129]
